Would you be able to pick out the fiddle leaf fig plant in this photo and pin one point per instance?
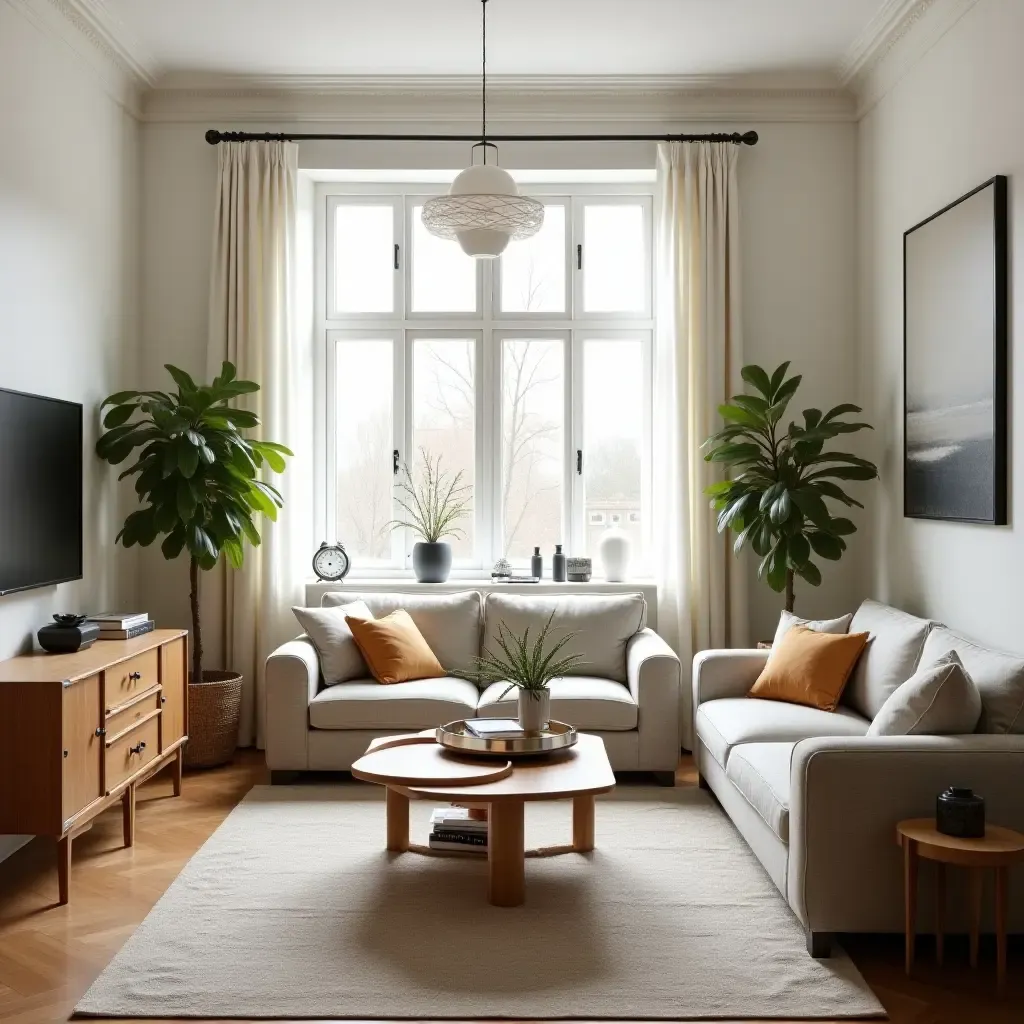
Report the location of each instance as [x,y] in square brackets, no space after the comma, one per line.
[196,474]
[784,484]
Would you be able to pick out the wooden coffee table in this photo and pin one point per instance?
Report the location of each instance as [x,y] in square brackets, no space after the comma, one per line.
[415,767]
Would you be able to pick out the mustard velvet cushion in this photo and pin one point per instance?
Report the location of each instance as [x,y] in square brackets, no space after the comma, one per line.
[394,648]
[808,667]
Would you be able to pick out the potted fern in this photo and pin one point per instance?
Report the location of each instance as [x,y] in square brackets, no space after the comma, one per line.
[527,667]
[199,480]
[432,504]
[783,479]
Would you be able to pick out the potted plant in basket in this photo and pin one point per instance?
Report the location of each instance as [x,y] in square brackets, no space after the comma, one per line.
[432,504]
[200,481]
[776,500]
[528,668]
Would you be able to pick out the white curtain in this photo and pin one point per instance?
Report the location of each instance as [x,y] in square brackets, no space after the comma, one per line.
[252,324]
[698,356]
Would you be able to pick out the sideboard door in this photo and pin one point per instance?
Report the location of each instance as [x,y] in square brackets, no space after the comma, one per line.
[175,692]
[82,716]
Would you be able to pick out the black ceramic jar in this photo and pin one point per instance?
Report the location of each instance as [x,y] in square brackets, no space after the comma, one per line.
[960,812]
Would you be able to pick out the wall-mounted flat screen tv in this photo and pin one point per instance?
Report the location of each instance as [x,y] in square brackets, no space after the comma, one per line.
[40,491]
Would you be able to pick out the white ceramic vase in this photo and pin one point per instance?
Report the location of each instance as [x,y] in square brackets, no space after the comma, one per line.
[614,550]
[534,709]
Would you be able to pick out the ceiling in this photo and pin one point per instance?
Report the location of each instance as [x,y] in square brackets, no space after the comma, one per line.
[442,37]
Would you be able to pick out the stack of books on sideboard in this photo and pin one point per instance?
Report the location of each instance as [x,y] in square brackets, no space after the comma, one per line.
[122,625]
[451,828]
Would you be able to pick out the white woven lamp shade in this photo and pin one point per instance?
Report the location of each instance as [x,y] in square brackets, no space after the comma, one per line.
[483,210]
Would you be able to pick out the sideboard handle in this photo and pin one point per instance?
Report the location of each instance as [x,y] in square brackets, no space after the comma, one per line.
[135,675]
[100,730]
[138,748]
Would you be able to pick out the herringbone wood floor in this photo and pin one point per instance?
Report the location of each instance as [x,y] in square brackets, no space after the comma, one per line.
[50,954]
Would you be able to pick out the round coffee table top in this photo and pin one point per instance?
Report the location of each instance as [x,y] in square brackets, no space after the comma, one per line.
[998,846]
[421,761]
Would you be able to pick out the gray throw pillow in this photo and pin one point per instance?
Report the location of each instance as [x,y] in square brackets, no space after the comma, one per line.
[787,620]
[340,659]
[938,700]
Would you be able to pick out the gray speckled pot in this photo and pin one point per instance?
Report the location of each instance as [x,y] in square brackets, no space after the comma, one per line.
[432,562]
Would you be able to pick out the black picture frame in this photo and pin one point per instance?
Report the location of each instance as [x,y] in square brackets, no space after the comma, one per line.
[972,488]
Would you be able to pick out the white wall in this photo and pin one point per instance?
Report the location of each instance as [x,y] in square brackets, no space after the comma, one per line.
[954,120]
[68,216]
[798,225]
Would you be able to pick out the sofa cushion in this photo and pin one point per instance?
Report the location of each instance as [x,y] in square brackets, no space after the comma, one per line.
[339,654]
[587,702]
[760,771]
[603,625]
[890,658]
[787,620]
[939,699]
[450,623]
[367,704]
[394,648]
[722,724]
[999,678]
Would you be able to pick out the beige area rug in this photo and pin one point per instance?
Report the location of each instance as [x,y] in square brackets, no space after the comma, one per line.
[294,909]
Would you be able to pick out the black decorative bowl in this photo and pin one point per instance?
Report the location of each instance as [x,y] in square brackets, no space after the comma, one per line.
[67,634]
[960,812]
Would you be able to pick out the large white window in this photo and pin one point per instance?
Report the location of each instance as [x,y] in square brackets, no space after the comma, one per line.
[529,375]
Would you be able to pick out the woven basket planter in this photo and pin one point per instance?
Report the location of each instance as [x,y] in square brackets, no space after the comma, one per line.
[214,710]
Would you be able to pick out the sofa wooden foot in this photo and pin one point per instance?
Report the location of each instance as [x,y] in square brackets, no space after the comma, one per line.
[665,778]
[702,782]
[819,944]
[283,778]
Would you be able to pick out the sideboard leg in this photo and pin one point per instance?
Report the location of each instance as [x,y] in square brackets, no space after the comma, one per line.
[128,815]
[179,764]
[819,944]
[63,867]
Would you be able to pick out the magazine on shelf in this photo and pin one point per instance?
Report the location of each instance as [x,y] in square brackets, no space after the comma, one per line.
[494,728]
[118,620]
[126,634]
[456,818]
[439,843]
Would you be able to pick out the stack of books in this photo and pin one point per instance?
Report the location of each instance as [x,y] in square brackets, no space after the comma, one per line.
[451,828]
[122,625]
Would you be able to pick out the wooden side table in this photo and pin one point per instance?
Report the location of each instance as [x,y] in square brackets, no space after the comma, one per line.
[998,849]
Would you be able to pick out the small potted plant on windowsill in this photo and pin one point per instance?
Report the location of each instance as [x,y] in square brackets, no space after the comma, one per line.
[527,667]
[432,504]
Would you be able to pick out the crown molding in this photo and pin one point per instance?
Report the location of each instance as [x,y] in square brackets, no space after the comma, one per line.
[534,98]
[899,35]
[110,35]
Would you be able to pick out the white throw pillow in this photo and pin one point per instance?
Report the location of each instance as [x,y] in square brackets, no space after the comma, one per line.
[938,700]
[787,620]
[340,659]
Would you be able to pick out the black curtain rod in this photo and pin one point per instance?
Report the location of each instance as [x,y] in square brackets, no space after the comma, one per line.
[213,137]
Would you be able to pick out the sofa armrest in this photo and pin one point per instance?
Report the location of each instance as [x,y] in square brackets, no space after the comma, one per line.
[848,793]
[725,673]
[653,676]
[292,680]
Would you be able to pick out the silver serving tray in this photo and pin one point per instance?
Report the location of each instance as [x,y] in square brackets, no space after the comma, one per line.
[557,736]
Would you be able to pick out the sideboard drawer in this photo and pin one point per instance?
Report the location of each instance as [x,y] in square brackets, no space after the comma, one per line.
[132,751]
[129,714]
[129,678]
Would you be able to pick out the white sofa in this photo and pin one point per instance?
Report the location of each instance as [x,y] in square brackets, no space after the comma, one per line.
[627,690]
[818,801]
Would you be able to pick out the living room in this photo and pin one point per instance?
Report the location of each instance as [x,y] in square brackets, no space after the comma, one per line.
[473,428]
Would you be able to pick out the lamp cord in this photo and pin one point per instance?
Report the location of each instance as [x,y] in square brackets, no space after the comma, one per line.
[483,136]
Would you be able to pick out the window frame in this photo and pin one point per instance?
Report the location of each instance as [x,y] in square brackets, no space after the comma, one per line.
[487,326]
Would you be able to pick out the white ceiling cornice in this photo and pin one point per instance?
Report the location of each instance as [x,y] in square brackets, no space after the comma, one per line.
[539,98]
[896,38]
[111,37]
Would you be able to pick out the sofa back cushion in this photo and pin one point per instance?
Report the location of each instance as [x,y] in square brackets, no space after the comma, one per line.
[602,624]
[450,623]
[787,620]
[999,678]
[889,659]
[339,654]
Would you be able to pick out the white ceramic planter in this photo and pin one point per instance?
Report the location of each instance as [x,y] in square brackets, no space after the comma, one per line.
[534,709]
[614,550]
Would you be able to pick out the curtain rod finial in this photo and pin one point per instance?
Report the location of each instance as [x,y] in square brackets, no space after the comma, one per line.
[213,137]
[749,138]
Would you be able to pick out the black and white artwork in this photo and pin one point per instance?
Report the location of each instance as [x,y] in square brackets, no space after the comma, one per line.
[955,306]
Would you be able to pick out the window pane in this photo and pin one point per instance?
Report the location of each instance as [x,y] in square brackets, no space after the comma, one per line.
[364,259]
[613,437]
[614,263]
[443,276]
[532,446]
[364,440]
[444,417]
[533,271]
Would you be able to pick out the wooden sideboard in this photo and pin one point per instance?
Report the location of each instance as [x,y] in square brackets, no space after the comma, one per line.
[84,729]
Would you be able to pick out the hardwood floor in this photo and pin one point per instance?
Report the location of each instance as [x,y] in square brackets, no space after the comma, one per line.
[49,954]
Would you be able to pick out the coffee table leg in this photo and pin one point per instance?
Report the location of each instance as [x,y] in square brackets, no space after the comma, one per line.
[505,853]
[398,821]
[583,823]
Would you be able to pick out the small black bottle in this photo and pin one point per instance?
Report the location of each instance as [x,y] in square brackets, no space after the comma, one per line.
[537,564]
[558,565]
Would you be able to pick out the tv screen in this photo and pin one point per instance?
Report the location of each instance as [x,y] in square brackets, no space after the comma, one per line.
[40,491]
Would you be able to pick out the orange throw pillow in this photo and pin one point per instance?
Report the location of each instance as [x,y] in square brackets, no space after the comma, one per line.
[394,648]
[807,667]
